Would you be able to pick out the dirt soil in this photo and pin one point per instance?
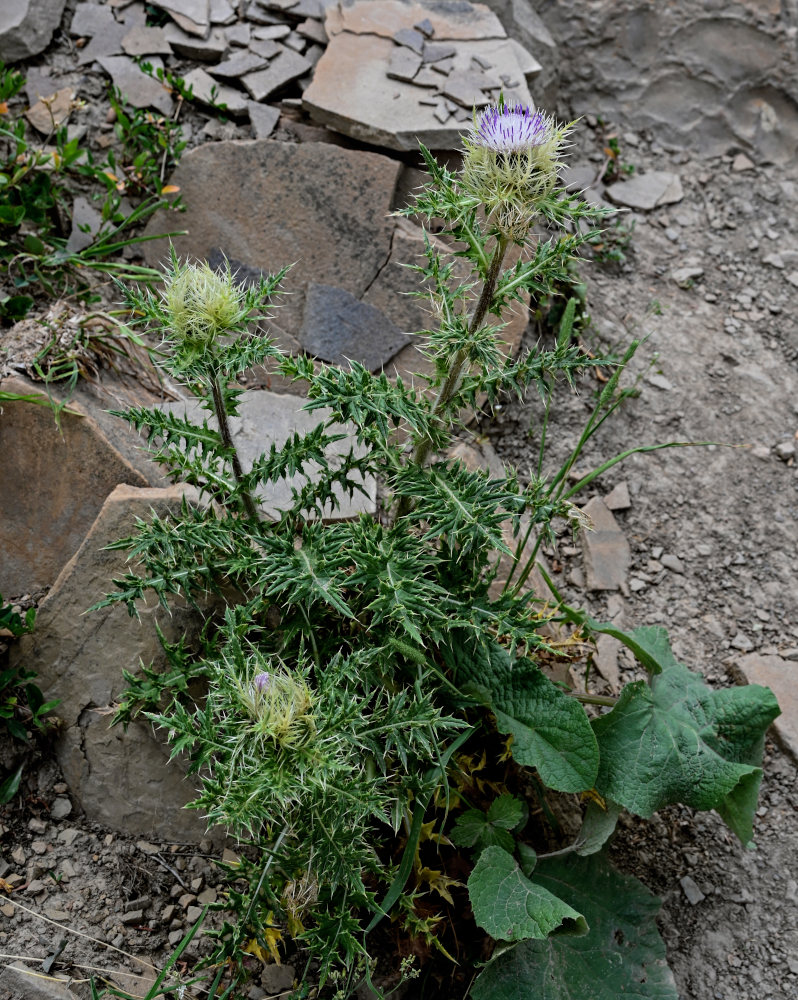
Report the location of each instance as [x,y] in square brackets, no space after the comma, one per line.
[719,363]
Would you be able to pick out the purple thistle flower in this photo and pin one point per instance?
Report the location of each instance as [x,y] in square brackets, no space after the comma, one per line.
[511,129]
[262,682]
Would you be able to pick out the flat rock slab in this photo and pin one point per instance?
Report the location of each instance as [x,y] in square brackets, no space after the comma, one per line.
[647,191]
[606,554]
[26,27]
[137,88]
[339,328]
[370,85]
[781,676]
[120,779]
[52,487]
[20,980]
[268,204]
[193,16]
[268,418]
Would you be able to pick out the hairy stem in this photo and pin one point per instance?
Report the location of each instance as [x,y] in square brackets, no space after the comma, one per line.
[423,447]
[227,440]
[594,699]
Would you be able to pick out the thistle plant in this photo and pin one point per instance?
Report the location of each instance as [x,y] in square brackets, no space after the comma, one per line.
[362,667]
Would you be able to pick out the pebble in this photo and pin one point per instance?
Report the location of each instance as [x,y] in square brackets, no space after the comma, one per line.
[691,890]
[785,450]
[742,642]
[659,382]
[132,917]
[175,937]
[37,826]
[68,836]
[146,847]
[193,913]
[61,808]
[38,847]
[618,498]
[741,162]
[673,563]
[775,260]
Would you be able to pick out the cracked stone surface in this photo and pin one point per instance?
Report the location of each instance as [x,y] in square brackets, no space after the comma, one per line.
[368,86]
[121,779]
[26,27]
[68,475]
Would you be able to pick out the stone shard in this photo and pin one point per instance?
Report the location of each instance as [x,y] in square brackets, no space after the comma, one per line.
[318,206]
[781,676]
[209,48]
[284,68]
[146,41]
[51,111]
[193,16]
[102,28]
[221,12]
[121,779]
[20,980]
[26,27]
[267,418]
[606,553]
[240,63]
[137,88]
[339,328]
[647,191]
[52,487]
[86,223]
[352,93]
[404,64]
[263,118]
[207,90]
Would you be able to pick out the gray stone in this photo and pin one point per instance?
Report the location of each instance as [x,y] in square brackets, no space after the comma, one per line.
[26,27]
[321,207]
[263,118]
[351,92]
[606,552]
[99,24]
[785,450]
[411,39]
[338,328]
[144,41]
[685,277]
[51,111]
[435,51]
[206,48]
[781,676]
[295,42]
[268,418]
[404,64]
[272,32]
[647,191]
[284,68]
[219,95]
[672,562]
[618,498]
[20,980]
[221,12]
[466,89]
[120,779]
[52,488]
[137,88]
[691,891]
[61,808]
[313,30]
[242,62]
[267,48]
[86,223]
[238,34]
[191,15]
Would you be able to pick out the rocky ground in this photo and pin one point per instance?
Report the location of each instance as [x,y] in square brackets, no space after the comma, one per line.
[700,539]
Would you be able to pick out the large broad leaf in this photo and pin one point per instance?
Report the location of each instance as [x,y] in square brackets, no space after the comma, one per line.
[621,956]
[510,907]
[597,826]
[550,730]
[680,741]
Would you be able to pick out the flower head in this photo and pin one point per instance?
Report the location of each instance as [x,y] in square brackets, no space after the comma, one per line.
[511,163]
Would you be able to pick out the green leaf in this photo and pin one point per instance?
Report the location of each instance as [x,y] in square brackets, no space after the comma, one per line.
[506,811]
[510,907]
[680,741]
[473,829]
[597,827]
[10,786]
[550,730]
[622,955]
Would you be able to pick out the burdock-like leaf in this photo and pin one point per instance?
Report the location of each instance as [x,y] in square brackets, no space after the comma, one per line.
[680,741]
[622,955]
[510,907]
[550,730]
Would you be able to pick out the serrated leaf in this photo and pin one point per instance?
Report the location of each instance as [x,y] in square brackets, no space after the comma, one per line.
[680,741]
[506,812]
[550,730]
[510,907]
[622,955]
[473,828]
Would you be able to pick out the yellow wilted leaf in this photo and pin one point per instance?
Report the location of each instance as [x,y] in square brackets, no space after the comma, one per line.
[507,752]
[438,882]
[6,886]
[170,189]
[591,795]
[427,834]
[272,936]
[112,177]
[3,107]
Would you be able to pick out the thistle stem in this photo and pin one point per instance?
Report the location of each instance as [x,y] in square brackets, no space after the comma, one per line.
[423,447]
[227,440]
[594,699]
